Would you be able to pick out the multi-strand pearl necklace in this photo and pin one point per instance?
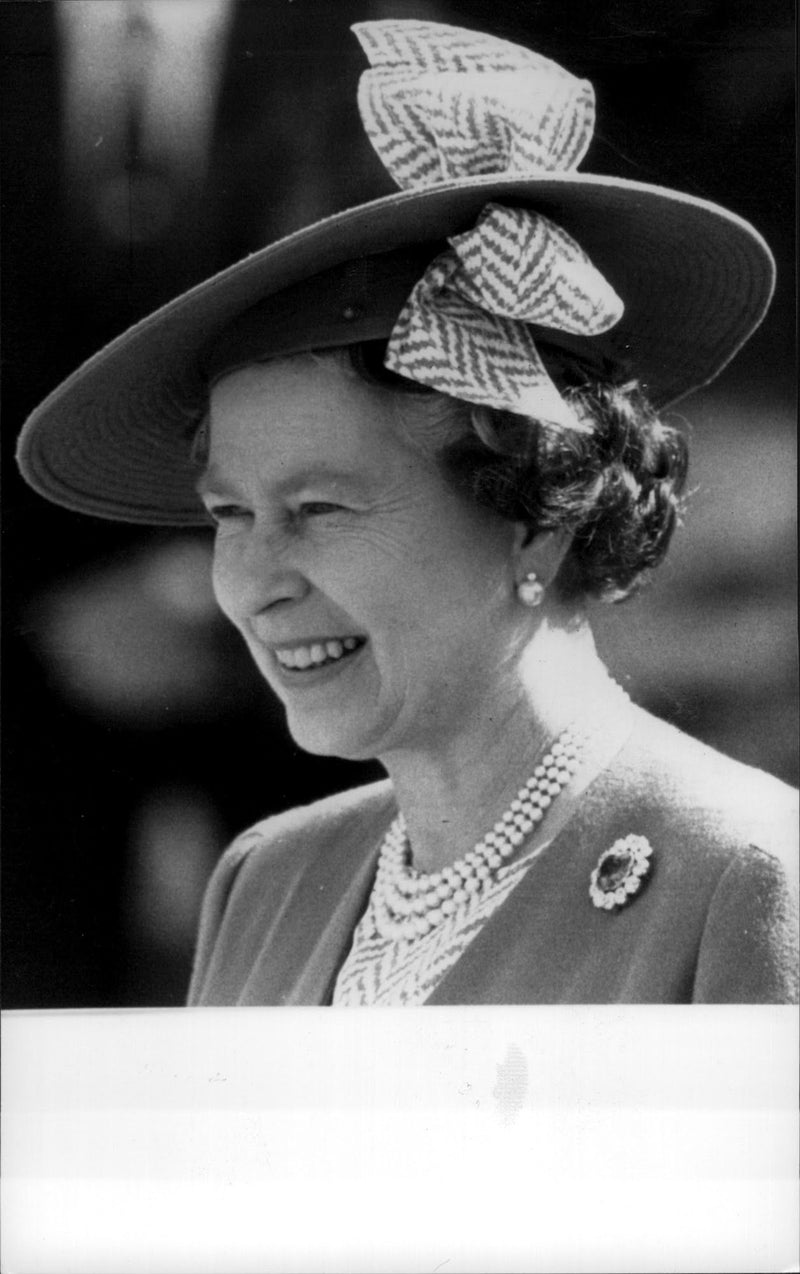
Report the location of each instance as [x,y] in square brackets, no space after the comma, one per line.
[407,904]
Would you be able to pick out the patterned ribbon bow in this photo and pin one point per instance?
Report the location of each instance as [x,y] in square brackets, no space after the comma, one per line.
[438,104]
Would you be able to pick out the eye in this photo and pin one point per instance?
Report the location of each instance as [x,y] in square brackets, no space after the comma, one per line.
[318,508]
[220,513]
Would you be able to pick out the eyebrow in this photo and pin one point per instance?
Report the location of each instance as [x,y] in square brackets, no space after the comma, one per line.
[211,479]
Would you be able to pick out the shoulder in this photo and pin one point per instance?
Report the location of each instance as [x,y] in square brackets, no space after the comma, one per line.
[723,837]
[263,866]
[307,829]
[321,818]
[698,797]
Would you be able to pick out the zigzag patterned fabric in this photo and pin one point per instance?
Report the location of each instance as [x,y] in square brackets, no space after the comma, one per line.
[464,328]
[440,103]
[382,971]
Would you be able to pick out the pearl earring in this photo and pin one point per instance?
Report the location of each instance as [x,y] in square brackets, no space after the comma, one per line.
[530,592]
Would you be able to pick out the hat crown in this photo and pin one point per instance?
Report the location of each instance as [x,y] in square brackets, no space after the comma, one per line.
[440,103]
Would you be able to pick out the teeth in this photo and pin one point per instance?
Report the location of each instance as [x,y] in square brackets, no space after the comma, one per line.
[316,654]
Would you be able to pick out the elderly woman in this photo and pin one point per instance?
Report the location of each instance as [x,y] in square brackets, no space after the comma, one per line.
[426,433]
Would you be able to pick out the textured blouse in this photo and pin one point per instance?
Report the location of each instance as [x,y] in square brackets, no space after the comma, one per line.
[383,971]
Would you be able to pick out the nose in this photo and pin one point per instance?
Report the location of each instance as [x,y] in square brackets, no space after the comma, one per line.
[254,571]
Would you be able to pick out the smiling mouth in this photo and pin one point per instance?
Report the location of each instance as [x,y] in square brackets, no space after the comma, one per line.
[317,654]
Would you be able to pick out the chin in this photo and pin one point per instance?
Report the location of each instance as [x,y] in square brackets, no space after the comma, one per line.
[330,738]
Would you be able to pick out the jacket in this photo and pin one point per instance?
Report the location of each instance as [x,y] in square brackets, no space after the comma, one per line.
[716,919]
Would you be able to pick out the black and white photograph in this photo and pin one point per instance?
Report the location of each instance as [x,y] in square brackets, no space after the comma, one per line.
[399,528]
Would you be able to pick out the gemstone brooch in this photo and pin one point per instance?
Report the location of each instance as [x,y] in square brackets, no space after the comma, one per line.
[619,872]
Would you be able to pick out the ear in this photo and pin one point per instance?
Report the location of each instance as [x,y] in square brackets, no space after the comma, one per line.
[540,554]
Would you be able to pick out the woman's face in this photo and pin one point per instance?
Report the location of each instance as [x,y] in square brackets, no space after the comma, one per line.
[377,602]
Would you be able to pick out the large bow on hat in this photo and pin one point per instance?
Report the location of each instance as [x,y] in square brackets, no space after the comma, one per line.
[440,103]
[464,329]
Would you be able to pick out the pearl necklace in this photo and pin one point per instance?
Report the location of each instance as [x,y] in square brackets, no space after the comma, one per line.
[407,904]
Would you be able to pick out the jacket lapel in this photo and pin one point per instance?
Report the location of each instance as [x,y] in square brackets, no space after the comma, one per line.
[316,976]
[311,933]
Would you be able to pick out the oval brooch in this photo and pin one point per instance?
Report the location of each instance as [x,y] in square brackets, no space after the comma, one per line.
[619,872]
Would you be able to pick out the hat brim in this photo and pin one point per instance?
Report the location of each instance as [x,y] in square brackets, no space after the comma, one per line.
[695,279]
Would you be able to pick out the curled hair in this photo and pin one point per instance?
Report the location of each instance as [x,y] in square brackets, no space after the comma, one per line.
[615,488]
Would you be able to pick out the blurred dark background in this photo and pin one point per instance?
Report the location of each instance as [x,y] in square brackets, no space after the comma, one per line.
[147,143]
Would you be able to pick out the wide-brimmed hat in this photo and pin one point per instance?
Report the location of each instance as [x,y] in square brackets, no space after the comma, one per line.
[695,281]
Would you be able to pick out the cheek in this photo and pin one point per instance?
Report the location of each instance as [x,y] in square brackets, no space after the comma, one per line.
[463,564]
[440,608]
[224,580]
